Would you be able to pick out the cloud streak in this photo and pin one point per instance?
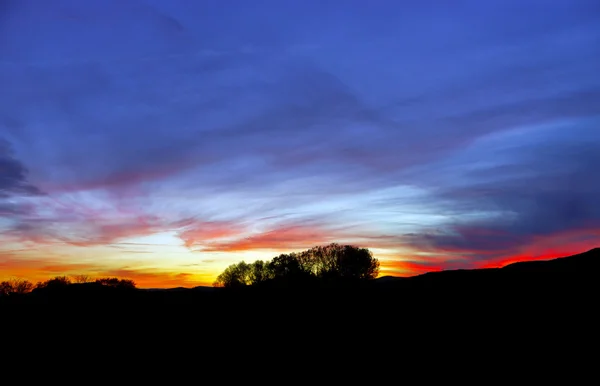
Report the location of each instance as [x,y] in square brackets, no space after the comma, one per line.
[13,174]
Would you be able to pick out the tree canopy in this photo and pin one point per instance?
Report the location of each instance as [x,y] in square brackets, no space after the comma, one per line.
[333,262]
[15,286]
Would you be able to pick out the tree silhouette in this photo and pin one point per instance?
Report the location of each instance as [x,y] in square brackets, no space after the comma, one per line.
[350,262]
[332,262]
[287,267]
[236,275]
[80,279]
[55,283]
[15,286]
[5,288]
[260,272]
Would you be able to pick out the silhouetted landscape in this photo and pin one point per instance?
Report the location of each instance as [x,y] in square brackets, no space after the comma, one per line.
[533,308]
[534,288]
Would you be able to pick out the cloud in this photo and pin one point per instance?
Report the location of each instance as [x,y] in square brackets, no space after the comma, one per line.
[136,144]
[207,232]
[288,237]
[40,269]
[13,174]
[231,107]
[409,268]
[51,220]
[532,190]
[36,270]
[12,210]
[157,279]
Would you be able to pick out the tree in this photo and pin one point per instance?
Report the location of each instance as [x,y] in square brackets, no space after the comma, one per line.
[236,275]
[127,284]
[22,286]
[307,261]
[260,272]
[287,266]
[80,279]
[356,263]
[15,286]
[330,262]
[5,288]
[57,282]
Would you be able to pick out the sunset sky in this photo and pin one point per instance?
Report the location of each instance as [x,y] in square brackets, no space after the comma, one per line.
[163,140]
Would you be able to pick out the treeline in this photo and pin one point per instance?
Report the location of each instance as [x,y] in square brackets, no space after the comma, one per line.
[18,286]
[333,263]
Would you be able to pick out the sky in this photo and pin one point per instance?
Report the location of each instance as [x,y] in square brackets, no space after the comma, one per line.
[163,140]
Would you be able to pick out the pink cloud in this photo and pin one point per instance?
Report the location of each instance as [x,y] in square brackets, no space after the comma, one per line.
[281,239]
[77,223]
[206,232]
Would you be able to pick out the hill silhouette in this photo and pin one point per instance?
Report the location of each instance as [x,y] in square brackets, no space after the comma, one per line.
[529,304]
[515,282]
[555,282]
[581,265]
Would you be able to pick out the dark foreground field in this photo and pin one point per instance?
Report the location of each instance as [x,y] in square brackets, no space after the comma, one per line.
[536,317]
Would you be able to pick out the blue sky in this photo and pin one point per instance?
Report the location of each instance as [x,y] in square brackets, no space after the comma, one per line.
[164,140]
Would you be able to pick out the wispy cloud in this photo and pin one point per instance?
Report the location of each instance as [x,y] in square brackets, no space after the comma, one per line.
[13,174]
[280,239]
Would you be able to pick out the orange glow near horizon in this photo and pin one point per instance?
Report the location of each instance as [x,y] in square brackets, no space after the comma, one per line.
[36,271]
[202,272]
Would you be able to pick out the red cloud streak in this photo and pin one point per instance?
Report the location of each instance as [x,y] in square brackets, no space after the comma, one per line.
[282,239]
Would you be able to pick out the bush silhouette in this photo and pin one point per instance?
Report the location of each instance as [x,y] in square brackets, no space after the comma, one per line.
[114,282]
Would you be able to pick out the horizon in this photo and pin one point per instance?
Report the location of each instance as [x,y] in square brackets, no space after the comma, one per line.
[161,141]
[502,265]
[90,280]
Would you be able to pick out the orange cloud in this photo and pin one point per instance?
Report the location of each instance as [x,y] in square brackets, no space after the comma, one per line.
[410,265]
[156,279]
[36,270]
